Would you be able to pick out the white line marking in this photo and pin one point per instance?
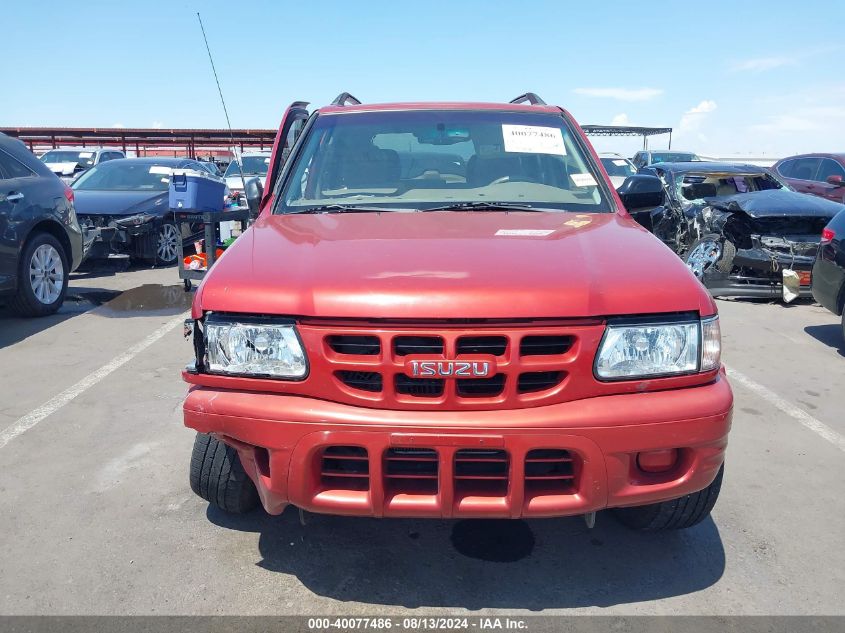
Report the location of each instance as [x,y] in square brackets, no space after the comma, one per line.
[22,425]
[805,419]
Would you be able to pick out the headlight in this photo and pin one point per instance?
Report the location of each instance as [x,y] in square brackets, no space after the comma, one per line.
[135,220]
[658,349]
[241,347]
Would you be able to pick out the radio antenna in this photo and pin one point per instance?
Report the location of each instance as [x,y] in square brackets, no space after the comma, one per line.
[223,101]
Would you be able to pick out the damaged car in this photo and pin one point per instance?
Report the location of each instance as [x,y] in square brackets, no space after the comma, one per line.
[739,228]
[124,204]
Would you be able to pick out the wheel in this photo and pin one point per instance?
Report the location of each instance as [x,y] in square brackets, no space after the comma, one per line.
[676,514]
[709,252]
[42,277]
[188,285]
[218,477]
[168,241]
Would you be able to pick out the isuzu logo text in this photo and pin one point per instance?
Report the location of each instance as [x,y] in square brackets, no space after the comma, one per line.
[450,368]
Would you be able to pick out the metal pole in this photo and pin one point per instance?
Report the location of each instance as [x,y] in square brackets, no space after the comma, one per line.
[670,139]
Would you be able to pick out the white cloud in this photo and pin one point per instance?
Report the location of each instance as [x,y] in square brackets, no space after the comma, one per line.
[118,125]
[760,64]
[157,125]
[621,94]
[620,119]
[692,118]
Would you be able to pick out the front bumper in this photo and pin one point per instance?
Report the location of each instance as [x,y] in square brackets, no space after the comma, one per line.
[758,273]
[107,237]
[281,440]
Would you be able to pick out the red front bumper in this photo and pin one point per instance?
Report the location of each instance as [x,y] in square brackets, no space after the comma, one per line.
[281,440]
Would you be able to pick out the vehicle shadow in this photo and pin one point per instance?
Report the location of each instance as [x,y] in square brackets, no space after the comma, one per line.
[830,334]
[417,563]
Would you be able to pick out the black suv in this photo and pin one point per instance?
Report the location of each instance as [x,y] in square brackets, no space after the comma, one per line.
[40,238]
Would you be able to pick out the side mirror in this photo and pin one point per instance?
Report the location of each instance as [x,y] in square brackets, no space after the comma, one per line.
[835,180]
[641,191]
[254,191]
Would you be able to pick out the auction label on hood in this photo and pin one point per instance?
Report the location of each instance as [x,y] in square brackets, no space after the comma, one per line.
[533,139]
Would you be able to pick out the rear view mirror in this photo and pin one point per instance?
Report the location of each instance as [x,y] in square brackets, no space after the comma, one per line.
[835,180]
[641,191]
[254,191]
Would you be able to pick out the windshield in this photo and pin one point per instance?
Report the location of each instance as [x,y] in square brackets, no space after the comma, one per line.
[430,158]
[695,186]
[125,176]
[252,166]
[618,167]
[69,156]
[673,157]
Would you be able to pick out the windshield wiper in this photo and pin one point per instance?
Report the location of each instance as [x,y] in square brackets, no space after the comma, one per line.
[486,206]
[345,208]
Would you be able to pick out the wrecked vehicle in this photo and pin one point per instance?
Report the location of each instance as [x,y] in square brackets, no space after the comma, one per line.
[123,204]
[431,318]
[739,228]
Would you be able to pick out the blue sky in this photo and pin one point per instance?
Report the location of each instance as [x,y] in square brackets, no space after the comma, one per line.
[730,77]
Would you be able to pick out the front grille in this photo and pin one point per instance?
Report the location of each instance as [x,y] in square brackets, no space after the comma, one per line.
[363,380]
[534,381]
[545,345]
[345,468]
[419,387]
[482,472]
[411,470]
[356,345]
[412,345]
[367,363]
[494,345]
[480,387]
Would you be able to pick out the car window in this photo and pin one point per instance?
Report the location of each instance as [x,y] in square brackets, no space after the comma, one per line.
[617,166]
[293,134]
[786,168]
[125,176]
[85,158]
[251,165]
[432,158]
[12,167]
[829,167]
[699,185]
[805,168]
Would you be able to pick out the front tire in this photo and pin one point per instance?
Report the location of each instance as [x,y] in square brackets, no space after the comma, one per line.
[677,514]
[168,242]
[710,253]
[42,277]
[218,476]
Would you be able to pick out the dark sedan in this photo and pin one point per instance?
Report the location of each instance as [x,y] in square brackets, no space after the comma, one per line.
[40,239]
[125,202]
[739,228]
[829,269]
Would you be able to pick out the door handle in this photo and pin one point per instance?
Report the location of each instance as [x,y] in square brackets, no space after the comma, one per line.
[14,196]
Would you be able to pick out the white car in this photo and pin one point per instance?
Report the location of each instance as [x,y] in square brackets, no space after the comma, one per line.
[69,162]
[251,165]
[617,167]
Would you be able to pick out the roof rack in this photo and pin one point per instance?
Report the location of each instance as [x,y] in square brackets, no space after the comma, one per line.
[529,97]
[344,98]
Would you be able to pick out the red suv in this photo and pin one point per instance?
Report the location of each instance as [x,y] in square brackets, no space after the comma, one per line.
[817,174]
[444,310]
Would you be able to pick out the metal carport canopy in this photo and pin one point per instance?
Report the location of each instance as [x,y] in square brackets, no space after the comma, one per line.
[627,130]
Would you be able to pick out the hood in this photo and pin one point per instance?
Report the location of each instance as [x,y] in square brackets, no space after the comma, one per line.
[119,202]
[234,182]
[776,203]
[62,169]
[436,265]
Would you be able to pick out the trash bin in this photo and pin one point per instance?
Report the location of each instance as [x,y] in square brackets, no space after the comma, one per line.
[196,191]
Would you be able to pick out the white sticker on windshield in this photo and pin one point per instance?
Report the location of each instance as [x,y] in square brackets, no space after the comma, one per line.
[525,232]
[583,180]
[620,163]
[158,169]
[266,161]
[533,139]
[86,154]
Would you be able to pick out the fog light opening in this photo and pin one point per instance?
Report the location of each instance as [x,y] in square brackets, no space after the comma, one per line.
[659,461]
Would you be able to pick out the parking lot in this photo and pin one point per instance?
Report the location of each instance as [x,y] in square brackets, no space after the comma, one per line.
[98,518]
